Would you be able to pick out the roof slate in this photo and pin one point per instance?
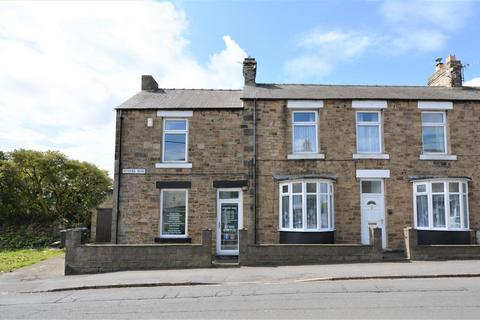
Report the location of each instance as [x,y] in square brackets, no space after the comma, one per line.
[306,91]
[185,99]
[232,99]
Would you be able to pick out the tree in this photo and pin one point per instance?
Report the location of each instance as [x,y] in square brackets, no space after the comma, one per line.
[47,187]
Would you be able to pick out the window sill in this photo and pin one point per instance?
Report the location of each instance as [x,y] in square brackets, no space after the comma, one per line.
[173,165]
[172,240]
[297,230]
[444,157]
[441,229]
[305,156]
[375,156]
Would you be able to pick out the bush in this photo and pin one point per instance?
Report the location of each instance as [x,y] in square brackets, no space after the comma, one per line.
[26,237]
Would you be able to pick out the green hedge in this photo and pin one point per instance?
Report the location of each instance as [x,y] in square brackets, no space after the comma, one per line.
[22,237]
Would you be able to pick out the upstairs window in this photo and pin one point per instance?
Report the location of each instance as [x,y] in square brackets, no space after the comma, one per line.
[441,205]
[306,206]
[369,132]
[434,132]
[304,124]
[175,140]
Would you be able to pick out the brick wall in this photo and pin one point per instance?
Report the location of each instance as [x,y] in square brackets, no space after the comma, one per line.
[97,258]
[414,251]
[296,254]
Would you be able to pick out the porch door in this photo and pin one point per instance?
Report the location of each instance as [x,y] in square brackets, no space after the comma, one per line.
[372,206]
[229,220]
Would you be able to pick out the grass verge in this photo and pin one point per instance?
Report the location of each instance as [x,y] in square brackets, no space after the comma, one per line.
[11,260]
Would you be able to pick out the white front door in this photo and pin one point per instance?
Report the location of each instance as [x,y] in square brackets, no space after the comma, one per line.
[372,206]
[229,220]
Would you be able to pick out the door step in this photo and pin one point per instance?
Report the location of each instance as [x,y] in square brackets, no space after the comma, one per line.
[394,255]
[225,262]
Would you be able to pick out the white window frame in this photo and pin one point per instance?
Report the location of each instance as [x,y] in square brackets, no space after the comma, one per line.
[367,123]
[305,124]
[431,124]
[175,132]
[463,184]
[330,207]
[161,215]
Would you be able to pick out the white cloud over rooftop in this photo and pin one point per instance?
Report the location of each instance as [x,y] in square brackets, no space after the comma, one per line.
[66,65]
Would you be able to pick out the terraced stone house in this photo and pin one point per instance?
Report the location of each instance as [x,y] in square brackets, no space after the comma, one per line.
[296,163]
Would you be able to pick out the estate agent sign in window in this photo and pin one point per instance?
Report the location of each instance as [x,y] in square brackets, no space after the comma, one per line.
[175,140]
[441,205]
[173,213]
[304,126]
[306,206]
[369,132]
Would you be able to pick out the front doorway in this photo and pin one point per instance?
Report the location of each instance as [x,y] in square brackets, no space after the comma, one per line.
[372,206]
[229,220]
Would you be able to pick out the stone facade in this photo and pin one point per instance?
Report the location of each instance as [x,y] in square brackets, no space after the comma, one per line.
[402,138]
[219,149]
[221,146]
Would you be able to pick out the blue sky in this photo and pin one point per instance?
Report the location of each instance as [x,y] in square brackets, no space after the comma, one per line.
[66,65]
[272,32]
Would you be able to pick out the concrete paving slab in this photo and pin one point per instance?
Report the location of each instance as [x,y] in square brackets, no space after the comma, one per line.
[48,275]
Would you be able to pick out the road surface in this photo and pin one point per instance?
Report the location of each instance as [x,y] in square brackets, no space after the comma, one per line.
[401,298]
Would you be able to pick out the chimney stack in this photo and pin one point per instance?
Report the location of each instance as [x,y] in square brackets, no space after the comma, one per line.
[149,83]
[448,74]
[249,71]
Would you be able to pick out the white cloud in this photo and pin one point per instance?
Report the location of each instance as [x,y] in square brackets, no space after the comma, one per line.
[66,65]
[475,82]
[422,25]
[403,26]
[323,50]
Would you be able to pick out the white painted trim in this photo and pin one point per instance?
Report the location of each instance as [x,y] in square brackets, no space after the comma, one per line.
[363,215]
[304,104]
[368,123]
[173,165]
[174,113]
[369,104]
[373,173]
[330,209]
[298,123]
[445,157]
[380,156]
[175,132]
[435,105]
[238,201]
[303,156]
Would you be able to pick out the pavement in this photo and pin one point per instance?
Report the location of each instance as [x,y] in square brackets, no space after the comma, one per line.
[47,276]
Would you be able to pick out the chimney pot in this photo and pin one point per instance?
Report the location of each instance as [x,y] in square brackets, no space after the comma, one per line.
[448,74]
[149,83]
[249,71]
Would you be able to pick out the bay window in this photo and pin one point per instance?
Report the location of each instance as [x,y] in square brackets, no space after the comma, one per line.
[441,205]
[306,206]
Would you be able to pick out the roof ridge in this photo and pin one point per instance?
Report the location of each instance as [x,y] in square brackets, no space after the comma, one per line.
[356,85]
[200,89]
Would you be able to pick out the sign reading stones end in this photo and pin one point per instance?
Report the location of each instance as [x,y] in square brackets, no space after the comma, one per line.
[134,171]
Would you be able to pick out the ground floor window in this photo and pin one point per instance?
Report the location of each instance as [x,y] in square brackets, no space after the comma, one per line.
[173,213]
[441,205]
[306,206]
